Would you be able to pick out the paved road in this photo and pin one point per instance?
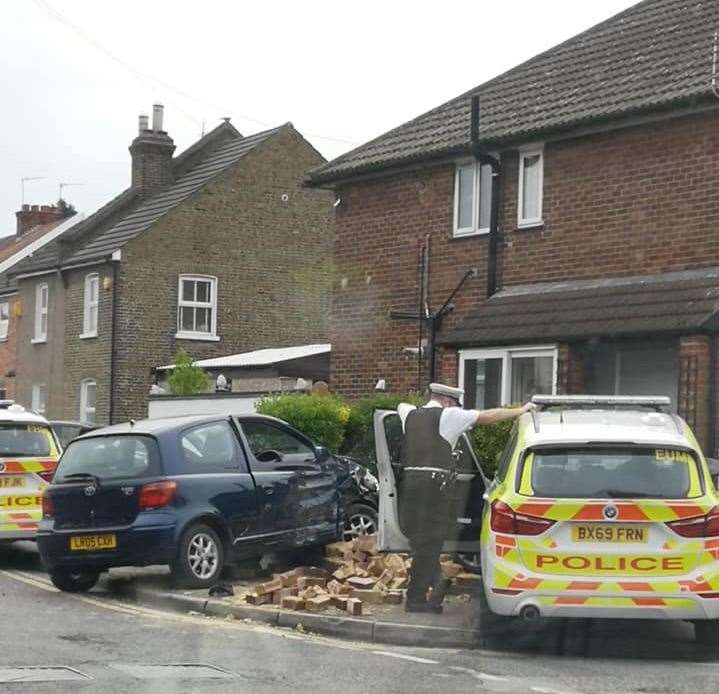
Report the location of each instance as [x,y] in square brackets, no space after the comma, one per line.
[111,646]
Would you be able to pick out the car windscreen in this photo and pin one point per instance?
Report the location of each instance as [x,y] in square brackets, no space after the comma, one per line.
[26,440]
[110,457]
[67,432]
[616,473]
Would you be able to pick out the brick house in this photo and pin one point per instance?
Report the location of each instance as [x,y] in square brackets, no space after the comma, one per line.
[217,250]
[597,267]
[37,225]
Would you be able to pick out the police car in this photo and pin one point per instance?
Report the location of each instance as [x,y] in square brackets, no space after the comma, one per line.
[29,453]
[601,507]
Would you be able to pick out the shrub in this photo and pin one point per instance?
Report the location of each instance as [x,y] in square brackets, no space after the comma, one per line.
[320,417]
[488,441]
[186,377]
[359,433]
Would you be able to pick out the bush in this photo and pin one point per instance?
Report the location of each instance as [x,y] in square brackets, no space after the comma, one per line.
[359,433]
[186,378]
[320,417]
[488,441]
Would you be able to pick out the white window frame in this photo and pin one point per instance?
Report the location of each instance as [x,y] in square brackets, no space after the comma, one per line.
[212,305]
[37,401]
[506,354]
[474,229]
[41,312]
[84,408]
[522,221]
[4,322]
[89,306]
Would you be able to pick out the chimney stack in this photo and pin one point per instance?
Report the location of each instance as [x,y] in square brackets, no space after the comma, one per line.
[151,153]
[33,215]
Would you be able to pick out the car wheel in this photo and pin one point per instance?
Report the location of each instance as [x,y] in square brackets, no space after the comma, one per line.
[77,580]
[706,632]
[471,561]
[200,557]
[360,519]
[493,628]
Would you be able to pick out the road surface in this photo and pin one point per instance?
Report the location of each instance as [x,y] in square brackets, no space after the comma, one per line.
[95,642]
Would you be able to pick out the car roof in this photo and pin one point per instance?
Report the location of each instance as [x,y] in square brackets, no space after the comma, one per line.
[597,425]
[162,425]
[26,416]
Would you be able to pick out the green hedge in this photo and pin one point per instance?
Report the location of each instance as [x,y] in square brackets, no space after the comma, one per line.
[321,417]
[488,441]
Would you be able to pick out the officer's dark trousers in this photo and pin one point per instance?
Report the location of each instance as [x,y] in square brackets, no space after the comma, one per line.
[425,566]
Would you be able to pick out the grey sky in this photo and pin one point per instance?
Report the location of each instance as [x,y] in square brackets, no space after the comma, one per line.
[76,73]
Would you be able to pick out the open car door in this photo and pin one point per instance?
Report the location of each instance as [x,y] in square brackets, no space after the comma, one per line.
[470,488]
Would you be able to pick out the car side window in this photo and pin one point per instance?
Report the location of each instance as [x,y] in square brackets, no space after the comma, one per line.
[271,444]
[506,456]
[210,447]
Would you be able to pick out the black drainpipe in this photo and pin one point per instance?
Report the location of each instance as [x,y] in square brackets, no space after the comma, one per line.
[483,158]
[712,395]
[113,314]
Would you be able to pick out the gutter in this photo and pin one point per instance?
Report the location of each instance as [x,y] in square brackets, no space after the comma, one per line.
[481,155]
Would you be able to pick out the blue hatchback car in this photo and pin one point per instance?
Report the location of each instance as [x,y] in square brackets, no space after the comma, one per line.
[191,492]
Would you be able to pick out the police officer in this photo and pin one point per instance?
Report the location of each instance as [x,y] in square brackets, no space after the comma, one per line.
[426,484]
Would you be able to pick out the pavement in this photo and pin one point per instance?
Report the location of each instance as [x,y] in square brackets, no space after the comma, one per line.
[108,642]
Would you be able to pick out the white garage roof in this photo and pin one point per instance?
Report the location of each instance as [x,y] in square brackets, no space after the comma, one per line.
[259,357]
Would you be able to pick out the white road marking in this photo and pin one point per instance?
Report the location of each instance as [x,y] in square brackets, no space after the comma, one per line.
[548,690]
[479,675]
[403,656]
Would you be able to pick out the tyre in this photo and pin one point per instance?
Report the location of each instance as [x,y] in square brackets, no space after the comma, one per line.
[493,628]
[360,519]
[706,632]
[471,561]
[78,580]
[200,557]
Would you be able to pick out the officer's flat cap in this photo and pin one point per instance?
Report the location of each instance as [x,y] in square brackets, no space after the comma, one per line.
[441,389]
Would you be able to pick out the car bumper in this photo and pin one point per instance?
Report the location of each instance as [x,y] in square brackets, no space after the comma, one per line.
[136,546]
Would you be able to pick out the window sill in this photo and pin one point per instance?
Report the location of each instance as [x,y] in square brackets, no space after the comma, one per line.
[533,224]
[87,336]
[38,340]
[469,234]
[204,337]
[3,339]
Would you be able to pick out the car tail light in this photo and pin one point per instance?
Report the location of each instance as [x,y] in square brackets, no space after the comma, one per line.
[48,508]
[503,519]
[699,526]
[157,494]
[46,475]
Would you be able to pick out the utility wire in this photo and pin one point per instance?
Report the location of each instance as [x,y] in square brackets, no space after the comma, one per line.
[142,75]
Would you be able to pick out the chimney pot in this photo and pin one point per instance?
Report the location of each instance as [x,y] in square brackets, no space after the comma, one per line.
[144,123]
[33,215]
[157,113]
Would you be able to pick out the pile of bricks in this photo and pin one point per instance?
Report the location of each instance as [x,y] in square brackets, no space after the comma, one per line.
[351,575]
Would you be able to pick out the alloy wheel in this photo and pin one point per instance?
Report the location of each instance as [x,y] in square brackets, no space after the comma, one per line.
[202,556]
[359,524]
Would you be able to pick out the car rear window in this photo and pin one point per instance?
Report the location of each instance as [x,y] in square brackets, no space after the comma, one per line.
[600,473]
[26,440]
[110,457]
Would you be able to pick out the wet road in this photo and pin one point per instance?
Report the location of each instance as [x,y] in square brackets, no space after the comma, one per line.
[95,642]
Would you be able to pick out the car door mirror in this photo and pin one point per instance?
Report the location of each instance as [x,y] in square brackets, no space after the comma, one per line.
[713,464]
[321,454]
[269,456]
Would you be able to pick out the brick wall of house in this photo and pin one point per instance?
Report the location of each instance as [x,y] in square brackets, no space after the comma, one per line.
[8,349]
[41,363]
[631,201]
[87,358]
[272,258]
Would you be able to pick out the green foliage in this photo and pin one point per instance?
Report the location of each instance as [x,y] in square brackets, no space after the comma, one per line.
[186,378]
[488,441]
[320,417]
[66,209]
[359,434]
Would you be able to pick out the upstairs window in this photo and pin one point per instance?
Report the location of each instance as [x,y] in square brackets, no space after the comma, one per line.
[472,199]
[39,398]
[197,307]
[531,185]
[42,293]
[88,394]
[90,305]
[4,320]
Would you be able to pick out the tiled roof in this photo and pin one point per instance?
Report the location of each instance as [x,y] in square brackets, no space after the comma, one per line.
[150,211]
[674,302]
[656,54]
[15,243]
